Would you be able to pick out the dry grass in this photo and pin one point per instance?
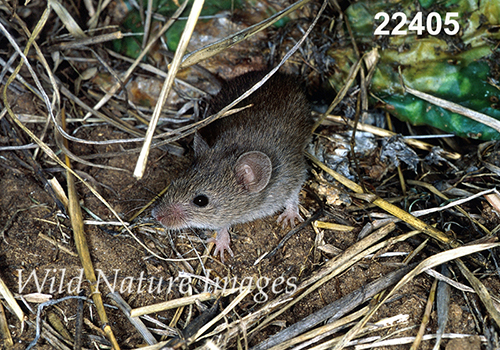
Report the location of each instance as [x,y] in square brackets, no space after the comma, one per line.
[213,317]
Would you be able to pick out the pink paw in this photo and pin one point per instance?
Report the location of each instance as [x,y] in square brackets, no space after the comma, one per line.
[222,241]
[289,216]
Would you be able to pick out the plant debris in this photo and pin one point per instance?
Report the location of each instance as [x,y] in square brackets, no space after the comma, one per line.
[99,105]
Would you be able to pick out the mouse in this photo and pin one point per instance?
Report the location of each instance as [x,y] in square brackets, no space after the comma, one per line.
[246,166]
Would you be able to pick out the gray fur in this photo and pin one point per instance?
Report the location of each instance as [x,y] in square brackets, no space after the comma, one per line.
[278,124]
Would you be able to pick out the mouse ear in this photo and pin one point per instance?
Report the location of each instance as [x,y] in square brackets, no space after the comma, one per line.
[253,171]
[199,144]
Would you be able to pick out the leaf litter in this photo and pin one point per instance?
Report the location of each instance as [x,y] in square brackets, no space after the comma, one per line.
[69,112]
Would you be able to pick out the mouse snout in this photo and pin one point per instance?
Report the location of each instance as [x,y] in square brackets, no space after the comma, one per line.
[170,215]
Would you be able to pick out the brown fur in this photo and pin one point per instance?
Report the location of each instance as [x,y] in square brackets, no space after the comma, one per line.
[278,125]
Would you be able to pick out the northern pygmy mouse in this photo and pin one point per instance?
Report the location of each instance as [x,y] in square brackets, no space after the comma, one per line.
[246,166]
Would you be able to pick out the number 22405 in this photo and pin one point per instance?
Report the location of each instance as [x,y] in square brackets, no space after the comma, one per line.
[434,23]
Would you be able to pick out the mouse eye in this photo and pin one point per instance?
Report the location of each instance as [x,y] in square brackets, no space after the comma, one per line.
[200,200]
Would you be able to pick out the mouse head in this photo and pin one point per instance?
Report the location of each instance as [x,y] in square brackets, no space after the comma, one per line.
[215,190]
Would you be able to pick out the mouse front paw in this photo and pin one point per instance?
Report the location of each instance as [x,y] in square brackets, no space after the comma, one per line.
[289,215]
[222,242]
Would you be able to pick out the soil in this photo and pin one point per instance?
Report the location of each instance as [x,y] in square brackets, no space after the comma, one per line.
[39,260]
[37,240]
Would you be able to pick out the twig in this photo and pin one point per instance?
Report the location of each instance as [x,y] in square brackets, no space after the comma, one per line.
[336,309]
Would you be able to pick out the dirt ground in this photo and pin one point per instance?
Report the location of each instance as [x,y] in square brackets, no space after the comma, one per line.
[39,259]
[37,238]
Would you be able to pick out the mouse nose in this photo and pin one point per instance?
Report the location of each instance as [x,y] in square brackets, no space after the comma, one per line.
[170,215]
